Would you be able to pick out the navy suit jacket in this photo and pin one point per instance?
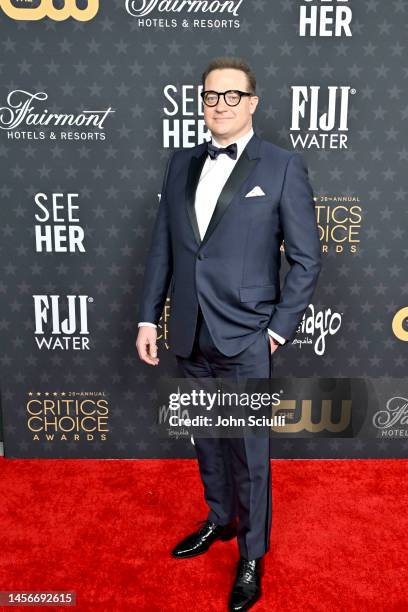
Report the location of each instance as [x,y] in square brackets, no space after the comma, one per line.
[233,273]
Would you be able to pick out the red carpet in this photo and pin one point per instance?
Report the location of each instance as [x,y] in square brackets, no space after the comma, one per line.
[105,528]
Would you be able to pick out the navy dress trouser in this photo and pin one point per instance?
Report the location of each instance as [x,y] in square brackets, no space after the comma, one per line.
[236,472]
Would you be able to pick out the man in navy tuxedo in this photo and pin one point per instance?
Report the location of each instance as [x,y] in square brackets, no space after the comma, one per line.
[226,207]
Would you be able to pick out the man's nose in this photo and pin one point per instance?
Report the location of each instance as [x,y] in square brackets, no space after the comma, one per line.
[221,105]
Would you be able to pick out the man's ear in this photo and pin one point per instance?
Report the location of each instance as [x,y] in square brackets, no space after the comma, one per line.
[253,103]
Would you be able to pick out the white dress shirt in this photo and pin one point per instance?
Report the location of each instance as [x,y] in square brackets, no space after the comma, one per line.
[213,177]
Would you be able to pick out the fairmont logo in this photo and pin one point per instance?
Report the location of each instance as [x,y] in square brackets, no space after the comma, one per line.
[392,420]
[32,10]
[141,8]
[21,109]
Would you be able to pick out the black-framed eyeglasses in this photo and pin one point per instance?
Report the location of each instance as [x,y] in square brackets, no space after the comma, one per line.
[232,97]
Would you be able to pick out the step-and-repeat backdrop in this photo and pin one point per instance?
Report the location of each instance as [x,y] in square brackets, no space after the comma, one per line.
[94,97]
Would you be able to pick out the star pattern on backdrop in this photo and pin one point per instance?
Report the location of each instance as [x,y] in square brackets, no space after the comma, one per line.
[111,61]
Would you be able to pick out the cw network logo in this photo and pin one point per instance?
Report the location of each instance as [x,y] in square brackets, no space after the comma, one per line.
[400,324]
[33,10]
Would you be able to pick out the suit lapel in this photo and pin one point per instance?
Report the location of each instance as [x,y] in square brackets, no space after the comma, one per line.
[238,176]
[240,173]
[194,172]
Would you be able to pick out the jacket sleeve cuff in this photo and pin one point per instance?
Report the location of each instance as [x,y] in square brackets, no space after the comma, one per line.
[277,336]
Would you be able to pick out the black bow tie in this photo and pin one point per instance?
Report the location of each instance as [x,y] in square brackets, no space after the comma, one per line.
[214,151]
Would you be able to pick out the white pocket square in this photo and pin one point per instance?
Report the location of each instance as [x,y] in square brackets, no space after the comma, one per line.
[256,191]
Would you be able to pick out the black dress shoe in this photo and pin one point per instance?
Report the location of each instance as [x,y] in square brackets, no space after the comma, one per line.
[247,586]
[198,542]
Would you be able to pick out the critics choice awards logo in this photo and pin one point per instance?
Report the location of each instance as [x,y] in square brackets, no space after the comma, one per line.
[163,326]
[24,117]
[32,10]
[339,221]
[70,416]
[325,18]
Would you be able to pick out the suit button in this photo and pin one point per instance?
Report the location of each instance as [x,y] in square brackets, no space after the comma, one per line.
[201,256]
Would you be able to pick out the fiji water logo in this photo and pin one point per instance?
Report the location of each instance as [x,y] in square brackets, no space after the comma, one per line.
[61,322]
[320,116]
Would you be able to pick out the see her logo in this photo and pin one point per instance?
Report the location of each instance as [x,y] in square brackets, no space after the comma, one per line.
[32,10]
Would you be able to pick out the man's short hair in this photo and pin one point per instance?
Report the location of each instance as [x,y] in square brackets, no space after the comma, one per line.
[231,62]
